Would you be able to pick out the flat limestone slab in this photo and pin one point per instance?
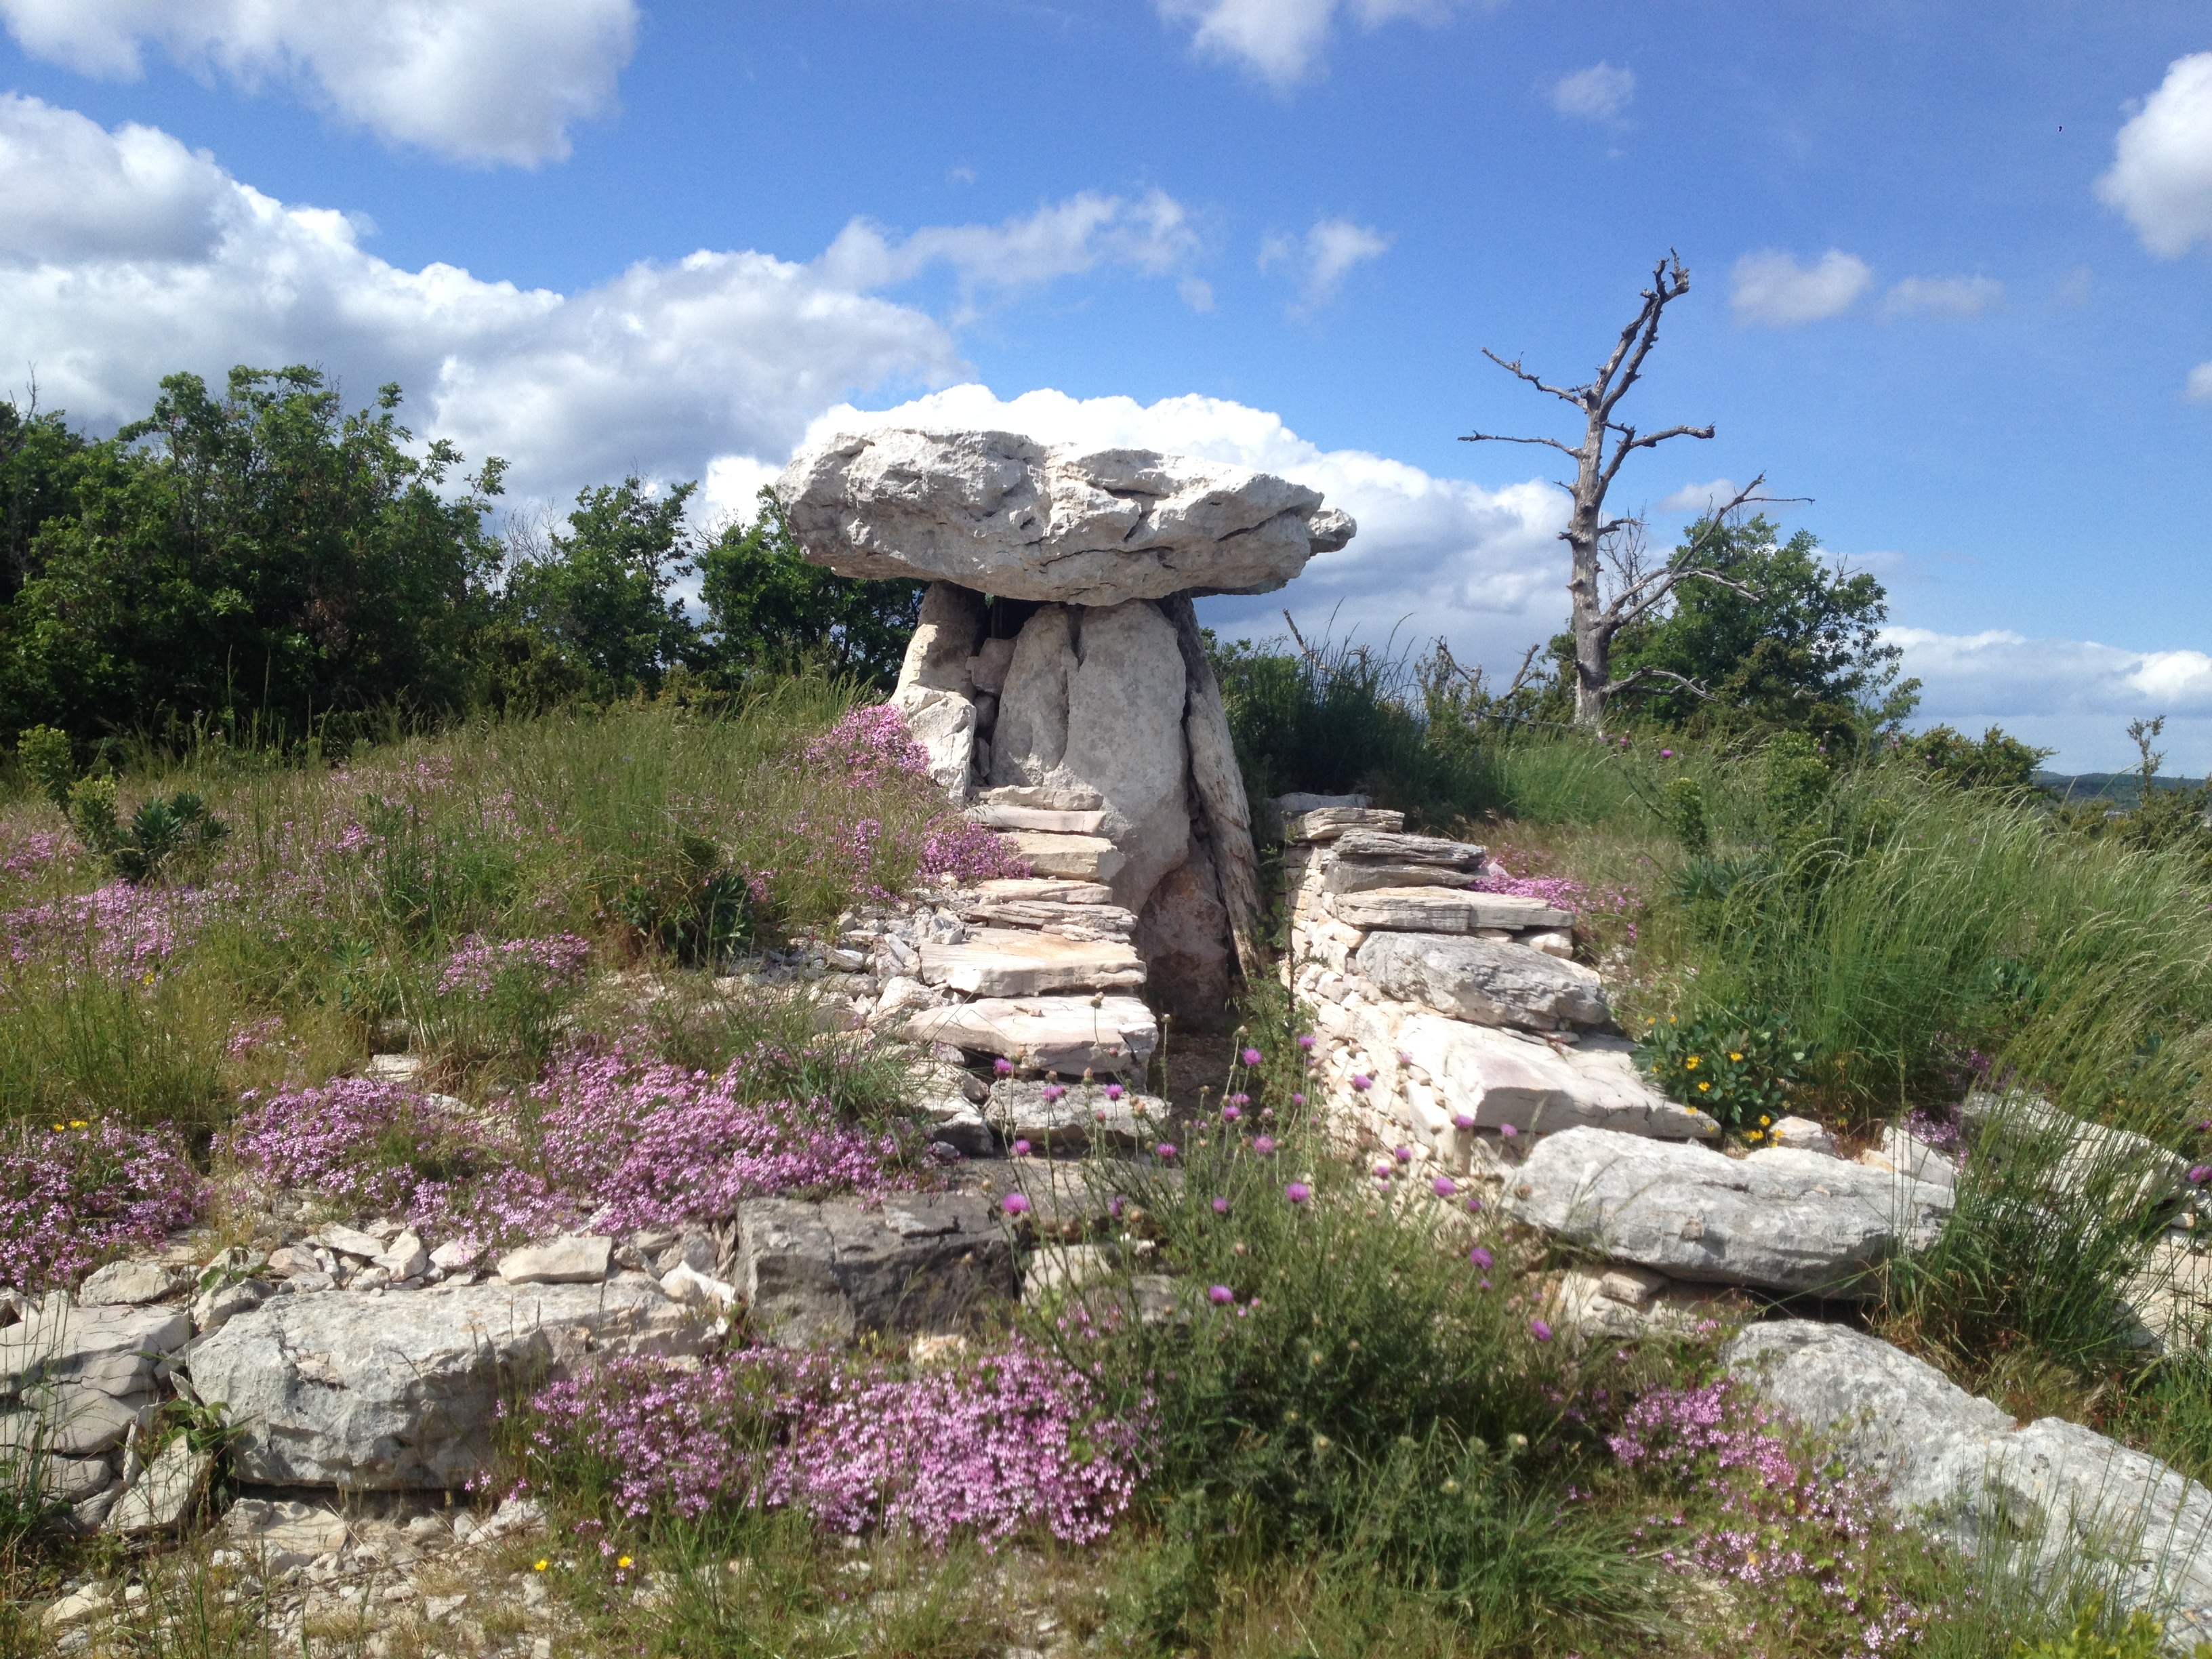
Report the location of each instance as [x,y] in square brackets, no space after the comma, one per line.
[1328,822]
[1039,889]
[1010,962]
[1390,847]
[1054,1034]
[1792,1222]
[993,816]
[1484,980]
[1078,858]
[1498,1078]
[1438,910]
[1090,921]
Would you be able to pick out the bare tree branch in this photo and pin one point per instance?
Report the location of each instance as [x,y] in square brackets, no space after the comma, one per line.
[1499,438]
[1573,396]
[1639,676]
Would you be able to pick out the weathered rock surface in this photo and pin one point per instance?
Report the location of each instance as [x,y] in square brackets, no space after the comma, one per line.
[1097,923]
[1039,889]
[1902,1151]
[1439,910]
[112,1350]
[1184,938]
[2084,1160]
[1785,1221]
[573,1260]
[128,1284]
[992,815]
[71,1420]
[2073,1499]
[1323,823]
[943,724]
[1125,739]
[1066,1035]
[1077,857]
[1484,982]
[275,1535]
[1075,1118]
[1359,844]
[1003,514]
[1499,1078]
[1007,961]
[1801,1134]
[400,1390]
[164,1493]
[925,1261]
[1627,1303]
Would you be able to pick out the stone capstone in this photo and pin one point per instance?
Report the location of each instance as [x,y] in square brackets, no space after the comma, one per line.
[924,1261]
[1003,514]
[1484,982]
[1789,1222]
[401,1391]
[1438,910]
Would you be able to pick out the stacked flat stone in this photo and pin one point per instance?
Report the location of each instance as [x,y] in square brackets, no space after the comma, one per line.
[1059,683]
[1448,1015]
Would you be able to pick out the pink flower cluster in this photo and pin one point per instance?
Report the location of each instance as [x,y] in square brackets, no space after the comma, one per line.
[72,1193]
[624,1142]
[869,746]
[121,926]
[988,1446]
[1565,893]
[558,961]
[1794,1530]
[959,850]
[27,854]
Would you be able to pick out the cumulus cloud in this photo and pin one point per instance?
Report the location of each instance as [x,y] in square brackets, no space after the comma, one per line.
[1599,93]
[487,81]
[2076,696]
[1281,40]
[1700,497]
[1323,257]
[1152,234]
[2162,171]
[124,256]
[1770,287]
[1955,299]
[1481,567]
[2199,389]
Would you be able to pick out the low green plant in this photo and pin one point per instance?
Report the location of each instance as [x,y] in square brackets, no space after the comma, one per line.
[1738,1068]
[2096,1634]
[1687,818]
[162,829]
[47,757]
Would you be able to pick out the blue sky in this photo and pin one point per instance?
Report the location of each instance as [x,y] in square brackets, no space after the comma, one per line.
[1950,267]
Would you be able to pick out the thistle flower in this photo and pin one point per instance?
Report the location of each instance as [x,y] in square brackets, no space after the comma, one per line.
[1462,1120]
[1221,1207]
[1508,1130]
[1446,1186]
[1014,1204]
[1053,1094]
[1306,1041]
[1297,1192]
[1220,1295]
[1165,1151]
[1482,1258]
[1250,1056]
[1540,1330]
[1263,1145]
[1363,1083]
[1003,1066]
[1021,1149]
[1114,1092]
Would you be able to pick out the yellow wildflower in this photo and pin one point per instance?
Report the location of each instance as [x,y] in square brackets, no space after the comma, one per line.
[1734,1055]
[1755,1134]
[1691,1064]
[540,1564]
[76,1123]
[57,1128]
[1764,1120]
[621,1561]
[1702,1087]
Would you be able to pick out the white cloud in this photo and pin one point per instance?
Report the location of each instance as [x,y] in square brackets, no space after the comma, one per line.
[2199,389]
[1281,40]
[1433,556]
[1327,254]
[2076,696]
[480,81]
[1152,234]
[1953,298]
[1771,287]
[1597,94]
[123,256]
[1700,497]
[2161,174]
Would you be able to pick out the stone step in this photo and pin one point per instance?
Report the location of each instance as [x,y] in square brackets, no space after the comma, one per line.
[1484,982]
[993,816]
[1388,847]
[1498,1078]
[1347,878]
[1009,962]
[1436,910]
[1789,1222]
[1328,822]
[1080,858]
[1033,889]
[1066,1034]
[1108,922]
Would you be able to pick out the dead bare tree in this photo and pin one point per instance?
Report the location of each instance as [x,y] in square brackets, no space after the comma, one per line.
[1639,585]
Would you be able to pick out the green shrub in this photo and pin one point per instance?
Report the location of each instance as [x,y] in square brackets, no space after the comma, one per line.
[2096,1635]
[1685,815]
[1737,1068]
[47,756]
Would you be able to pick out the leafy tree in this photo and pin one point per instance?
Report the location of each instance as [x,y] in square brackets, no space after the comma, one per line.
[261,554]
[1998,761]
[1790,642]
[766,606]
[599,598]
[39,458]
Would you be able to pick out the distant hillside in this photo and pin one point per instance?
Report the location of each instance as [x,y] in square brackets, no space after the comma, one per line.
[2121,789]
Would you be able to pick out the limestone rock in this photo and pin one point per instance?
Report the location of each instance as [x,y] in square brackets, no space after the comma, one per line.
[70,1420]
[164,1493]
[988,666]
[1043,797]
[1394,847]
[112,1350]
[993,816]
[925,1261]
[275,1534]
[1271,815]
[218,1304]
[1007,961]
[1125,739]
[1001,514]
[1076,1117]
[349,1241]
[1030,737]
[1325,823]
[73,1481]
[1901,1150]
[1066,1035]
[1801,1134]
[1096,922]
[129,1284]
[1222,820]
[945,638]
[573,1259]
[1439,910]
[1628,1302]
[1488,983]
[1184,938]
[400,1390]
[1344,877]
[1078,858]
[1500,1077]
[1040,890]
[1784,1221]
[2085,1160]
[943,724]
